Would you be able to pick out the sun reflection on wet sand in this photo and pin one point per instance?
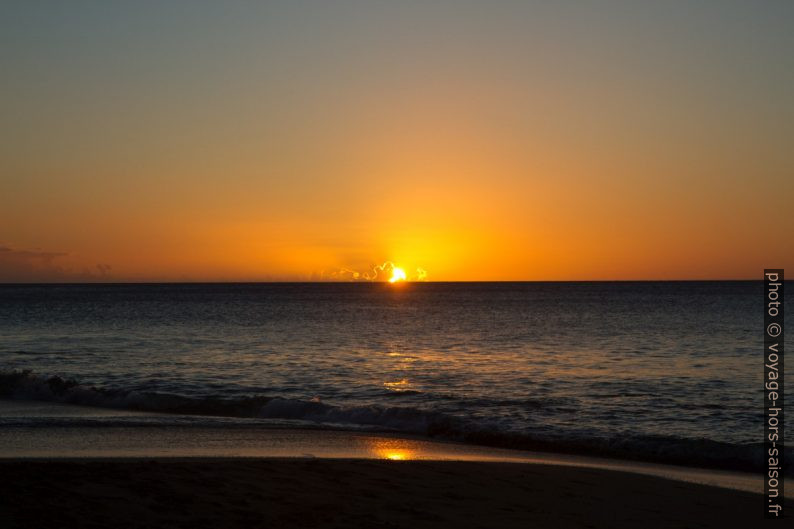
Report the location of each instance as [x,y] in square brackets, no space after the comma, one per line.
[394,449]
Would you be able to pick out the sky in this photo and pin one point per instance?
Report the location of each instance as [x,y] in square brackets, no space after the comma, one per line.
[474,140]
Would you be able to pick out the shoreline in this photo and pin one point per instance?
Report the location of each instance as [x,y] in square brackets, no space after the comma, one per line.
[217,444]
[171,441]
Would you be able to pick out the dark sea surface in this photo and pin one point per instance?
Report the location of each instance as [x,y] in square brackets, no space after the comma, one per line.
[664,371]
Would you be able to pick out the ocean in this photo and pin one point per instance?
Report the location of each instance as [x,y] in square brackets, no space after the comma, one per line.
[656,371]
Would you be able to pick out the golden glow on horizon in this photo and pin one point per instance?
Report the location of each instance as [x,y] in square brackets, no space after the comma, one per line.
[397,274]
[327,147]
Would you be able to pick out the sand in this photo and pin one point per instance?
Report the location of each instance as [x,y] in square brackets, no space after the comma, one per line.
[326,493]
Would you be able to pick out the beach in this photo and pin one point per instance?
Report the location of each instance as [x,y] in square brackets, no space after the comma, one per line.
[335,493]
[69,466]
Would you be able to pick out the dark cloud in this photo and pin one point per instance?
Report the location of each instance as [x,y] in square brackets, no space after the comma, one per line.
[36,266]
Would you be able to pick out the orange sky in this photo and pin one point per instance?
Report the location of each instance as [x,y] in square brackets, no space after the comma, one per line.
[484,143]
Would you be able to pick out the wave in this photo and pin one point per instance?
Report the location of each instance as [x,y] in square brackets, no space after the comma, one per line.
[26,385]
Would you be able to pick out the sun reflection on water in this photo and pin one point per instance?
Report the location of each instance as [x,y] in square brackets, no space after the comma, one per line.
[397,385]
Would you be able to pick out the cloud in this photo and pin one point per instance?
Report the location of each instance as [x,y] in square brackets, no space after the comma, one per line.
[36,266]
[381,272]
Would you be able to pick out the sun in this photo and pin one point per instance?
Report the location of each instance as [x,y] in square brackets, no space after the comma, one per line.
[397,274]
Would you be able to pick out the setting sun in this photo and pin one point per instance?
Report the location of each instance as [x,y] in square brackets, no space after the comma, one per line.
[397,274]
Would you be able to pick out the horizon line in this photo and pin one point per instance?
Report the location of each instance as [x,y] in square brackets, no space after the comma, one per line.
[308,282]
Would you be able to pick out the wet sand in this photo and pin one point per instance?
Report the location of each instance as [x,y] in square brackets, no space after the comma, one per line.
[333,493]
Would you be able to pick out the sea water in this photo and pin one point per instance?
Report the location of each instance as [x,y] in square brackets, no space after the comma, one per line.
[663,371]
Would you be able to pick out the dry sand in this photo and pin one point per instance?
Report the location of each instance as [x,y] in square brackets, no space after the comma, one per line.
[371,494]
